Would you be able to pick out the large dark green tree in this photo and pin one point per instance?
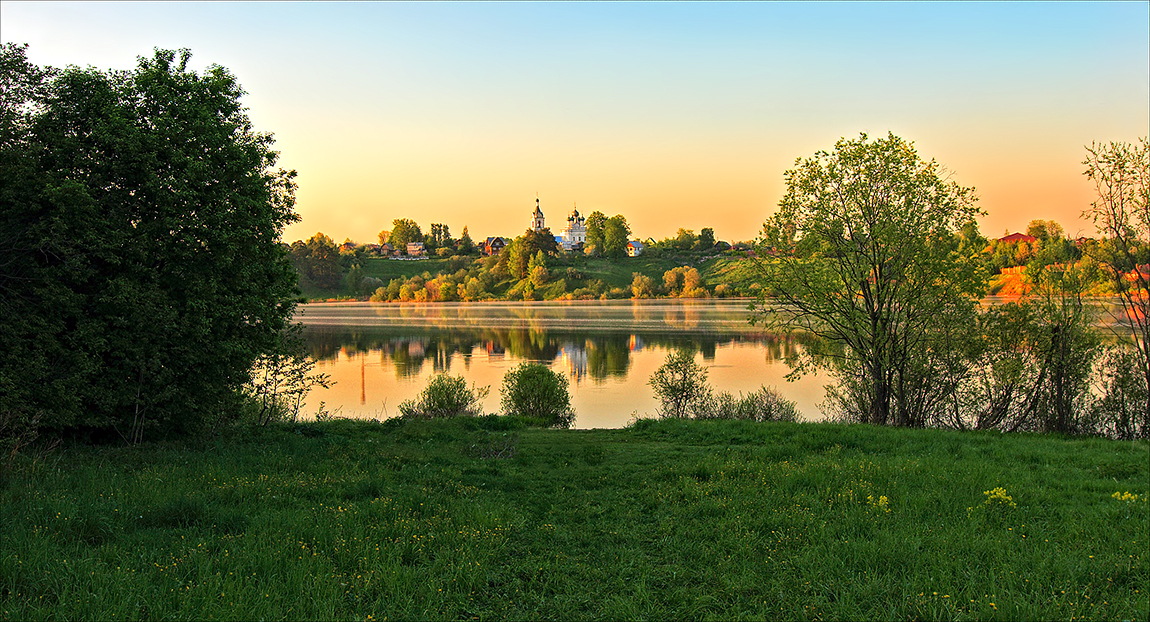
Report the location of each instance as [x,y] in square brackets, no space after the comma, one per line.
[318,262]
[867,255]
[141,216]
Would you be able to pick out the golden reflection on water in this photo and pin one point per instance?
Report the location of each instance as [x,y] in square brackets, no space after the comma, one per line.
[382,355]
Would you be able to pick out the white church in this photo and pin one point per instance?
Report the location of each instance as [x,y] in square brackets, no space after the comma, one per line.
[570,239]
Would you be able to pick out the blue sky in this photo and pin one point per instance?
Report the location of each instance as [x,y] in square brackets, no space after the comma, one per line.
[673,114]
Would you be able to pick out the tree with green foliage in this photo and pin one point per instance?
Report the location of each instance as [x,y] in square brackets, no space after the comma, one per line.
[684,240]
[1044,230]
[684,282]
[1052,245]
[516,257]
[465,246]
[1064,339]
[142,269]
[404,230]
[280,380]
[616,233]
[595,223]
[866,257]
[537,269]
[680,385]
[533,391]
[543,241]
[706,239]
[513,259]
[1034,360]
[440,237]
[355,279]
[317,261]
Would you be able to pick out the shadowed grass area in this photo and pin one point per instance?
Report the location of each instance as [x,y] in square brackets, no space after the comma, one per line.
[485,518]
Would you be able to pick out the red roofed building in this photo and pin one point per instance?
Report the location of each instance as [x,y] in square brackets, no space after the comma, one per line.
[1018,237]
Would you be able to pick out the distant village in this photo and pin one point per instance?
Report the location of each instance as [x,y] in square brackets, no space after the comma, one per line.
[571,239]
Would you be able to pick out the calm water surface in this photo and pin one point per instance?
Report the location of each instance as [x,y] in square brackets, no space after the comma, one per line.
[382,354]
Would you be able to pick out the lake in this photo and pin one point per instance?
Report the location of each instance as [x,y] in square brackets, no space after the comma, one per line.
[380,354]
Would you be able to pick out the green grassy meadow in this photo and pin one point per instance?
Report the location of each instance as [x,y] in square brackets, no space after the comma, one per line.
[485,519]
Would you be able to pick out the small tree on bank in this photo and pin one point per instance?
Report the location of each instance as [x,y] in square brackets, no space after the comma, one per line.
[680,385]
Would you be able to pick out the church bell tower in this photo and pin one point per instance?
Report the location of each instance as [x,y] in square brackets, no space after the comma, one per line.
[537,218]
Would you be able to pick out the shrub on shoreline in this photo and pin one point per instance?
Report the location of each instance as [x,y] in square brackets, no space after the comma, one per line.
[446,396]
[532,390]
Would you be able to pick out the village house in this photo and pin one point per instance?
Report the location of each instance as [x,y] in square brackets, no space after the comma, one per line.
[1018,237]
[493,245]
[634,248]
[415,249]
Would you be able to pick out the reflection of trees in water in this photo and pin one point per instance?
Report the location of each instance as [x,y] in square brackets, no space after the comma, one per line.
[598,354]
[779,347]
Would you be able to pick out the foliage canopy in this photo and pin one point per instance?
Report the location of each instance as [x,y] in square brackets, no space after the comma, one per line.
[142,270]
[865,253]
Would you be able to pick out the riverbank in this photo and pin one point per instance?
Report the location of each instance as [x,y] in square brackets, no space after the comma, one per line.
[670,519]
[568,277]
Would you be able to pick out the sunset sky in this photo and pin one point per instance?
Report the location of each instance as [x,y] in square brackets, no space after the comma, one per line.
[674,115]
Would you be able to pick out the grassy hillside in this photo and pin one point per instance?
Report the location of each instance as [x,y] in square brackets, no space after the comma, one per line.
[387,269]
[479,519]
[614,273]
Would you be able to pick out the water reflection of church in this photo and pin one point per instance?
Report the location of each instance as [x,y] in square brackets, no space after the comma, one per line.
[574,358]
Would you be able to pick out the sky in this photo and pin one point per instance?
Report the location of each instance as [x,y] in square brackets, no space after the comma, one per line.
[675,115]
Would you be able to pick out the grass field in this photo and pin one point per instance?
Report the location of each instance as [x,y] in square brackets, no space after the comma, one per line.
[483,519]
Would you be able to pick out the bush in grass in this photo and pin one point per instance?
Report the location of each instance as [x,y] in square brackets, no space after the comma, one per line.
[763,405]
[681,386]
[445,396]
[535,392]
[1122,411]
[683,392]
